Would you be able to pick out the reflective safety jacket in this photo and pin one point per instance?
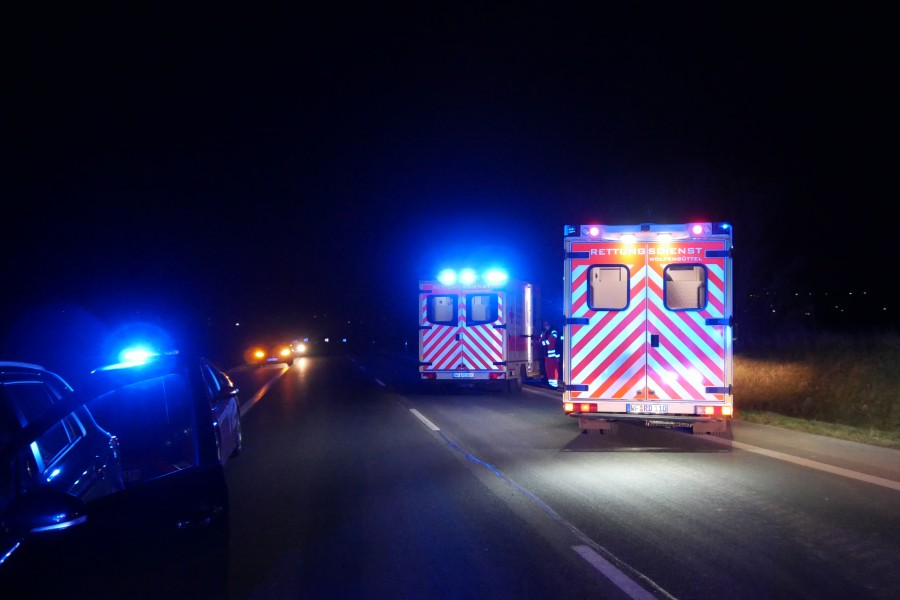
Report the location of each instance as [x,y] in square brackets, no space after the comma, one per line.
[549,342]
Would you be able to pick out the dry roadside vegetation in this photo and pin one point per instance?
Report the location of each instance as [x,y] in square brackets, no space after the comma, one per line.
[840,385]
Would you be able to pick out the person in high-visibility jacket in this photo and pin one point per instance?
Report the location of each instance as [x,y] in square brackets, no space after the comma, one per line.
[550,346]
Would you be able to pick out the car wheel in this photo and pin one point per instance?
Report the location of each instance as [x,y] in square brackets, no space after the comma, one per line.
[218,445]
[238,440]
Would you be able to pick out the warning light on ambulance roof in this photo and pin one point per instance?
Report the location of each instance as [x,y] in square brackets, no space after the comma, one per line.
[628,238]
[447,277]
[697,229]
[664,237]
[495,277]
[594,230]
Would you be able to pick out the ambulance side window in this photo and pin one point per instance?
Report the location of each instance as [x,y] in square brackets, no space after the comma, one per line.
[608,287]
[481,308]
[441,309]
[685,287]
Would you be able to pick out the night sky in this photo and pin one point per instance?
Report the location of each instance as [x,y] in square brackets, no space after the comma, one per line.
[285,166]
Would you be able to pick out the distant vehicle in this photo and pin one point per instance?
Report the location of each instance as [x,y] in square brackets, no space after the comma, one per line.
[648,330]
[269,352]
[478,331]
[299,348]
[176,420]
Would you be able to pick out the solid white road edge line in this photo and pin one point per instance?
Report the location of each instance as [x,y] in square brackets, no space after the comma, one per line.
[622,581]
[619,578]
[895,485]
[246,406]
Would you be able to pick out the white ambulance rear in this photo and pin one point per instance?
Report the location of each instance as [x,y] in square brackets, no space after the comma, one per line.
[477,331]
[648,326]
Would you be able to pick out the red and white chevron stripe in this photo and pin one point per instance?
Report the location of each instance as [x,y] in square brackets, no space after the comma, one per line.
[460,346]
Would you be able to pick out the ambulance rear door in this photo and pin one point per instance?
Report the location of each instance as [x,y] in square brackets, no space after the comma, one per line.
[461,332]
[648,315]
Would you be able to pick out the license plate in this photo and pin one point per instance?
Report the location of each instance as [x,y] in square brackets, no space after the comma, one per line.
[647,408]
[463,375]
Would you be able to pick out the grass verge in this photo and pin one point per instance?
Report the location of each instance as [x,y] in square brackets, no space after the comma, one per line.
[844,386]
[864,435]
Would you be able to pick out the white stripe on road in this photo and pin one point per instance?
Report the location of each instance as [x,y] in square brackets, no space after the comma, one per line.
[805,462]
[625,583]
[247,405]
[422,418]
[622,581]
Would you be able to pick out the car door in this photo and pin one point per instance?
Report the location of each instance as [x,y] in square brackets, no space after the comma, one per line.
[221,395]
[173,477]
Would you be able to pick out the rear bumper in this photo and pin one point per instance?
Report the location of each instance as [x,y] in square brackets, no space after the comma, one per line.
[698,424]
[462,376]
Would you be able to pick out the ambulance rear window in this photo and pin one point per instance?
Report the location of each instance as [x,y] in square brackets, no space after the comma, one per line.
[685,287]
[608,287]
[441,310]
[481,308]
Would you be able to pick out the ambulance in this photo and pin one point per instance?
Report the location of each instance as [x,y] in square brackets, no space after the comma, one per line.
[477,330]
[648,326]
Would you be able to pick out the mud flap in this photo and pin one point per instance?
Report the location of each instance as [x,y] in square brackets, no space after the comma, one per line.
[713,427]
[596,426]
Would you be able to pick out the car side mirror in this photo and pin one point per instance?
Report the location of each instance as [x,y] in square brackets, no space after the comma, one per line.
[42,511]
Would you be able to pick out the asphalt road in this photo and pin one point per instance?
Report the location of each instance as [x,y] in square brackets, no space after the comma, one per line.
[356,483]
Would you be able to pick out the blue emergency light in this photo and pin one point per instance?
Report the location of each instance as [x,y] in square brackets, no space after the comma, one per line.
[136,355]
[496,277]
[467,276]
[447,276]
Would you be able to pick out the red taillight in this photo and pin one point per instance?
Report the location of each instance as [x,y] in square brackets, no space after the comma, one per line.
[429,376]
[495,376]
[726,411]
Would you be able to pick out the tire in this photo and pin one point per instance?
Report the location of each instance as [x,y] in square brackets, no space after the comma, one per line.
[515,385]
[218,436]
[239,445]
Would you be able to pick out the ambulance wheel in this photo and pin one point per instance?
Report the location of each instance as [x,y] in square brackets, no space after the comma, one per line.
[516,384]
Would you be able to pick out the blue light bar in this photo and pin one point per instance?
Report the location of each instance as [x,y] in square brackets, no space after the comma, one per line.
[496,277]
[447,277]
